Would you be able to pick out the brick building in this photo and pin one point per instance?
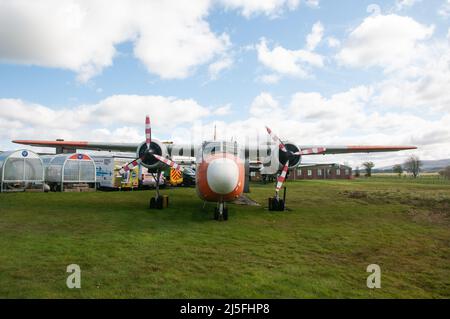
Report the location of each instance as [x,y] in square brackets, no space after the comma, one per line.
[321,171]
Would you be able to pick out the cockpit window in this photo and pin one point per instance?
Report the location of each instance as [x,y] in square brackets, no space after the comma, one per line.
[215,147]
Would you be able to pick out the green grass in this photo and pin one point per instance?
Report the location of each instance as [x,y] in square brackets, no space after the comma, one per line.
[320,248]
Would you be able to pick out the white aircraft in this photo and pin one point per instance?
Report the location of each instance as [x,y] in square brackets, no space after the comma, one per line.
[220,171]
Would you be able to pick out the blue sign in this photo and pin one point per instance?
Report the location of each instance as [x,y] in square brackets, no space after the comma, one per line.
[24,153]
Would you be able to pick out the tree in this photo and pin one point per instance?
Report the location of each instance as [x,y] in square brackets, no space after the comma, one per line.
[445,173]
[398,169]
[413,164]
[357,174]
[368,167]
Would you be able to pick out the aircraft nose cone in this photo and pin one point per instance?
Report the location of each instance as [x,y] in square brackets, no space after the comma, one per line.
[222,175]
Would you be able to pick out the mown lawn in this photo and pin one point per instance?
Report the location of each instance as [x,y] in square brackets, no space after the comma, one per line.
[320,248]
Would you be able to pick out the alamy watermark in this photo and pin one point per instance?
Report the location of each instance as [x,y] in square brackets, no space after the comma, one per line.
[374,279]
[74,279]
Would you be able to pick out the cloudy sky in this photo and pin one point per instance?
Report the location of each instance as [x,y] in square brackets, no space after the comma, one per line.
[317,71]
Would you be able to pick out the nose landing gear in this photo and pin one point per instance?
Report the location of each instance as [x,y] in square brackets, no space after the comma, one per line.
[221,212]
[159,201]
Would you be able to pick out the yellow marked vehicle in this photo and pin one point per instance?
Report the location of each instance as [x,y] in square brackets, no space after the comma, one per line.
[129,180]
[175,177]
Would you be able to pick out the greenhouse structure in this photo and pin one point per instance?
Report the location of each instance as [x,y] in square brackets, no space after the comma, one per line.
[70,172]
[21,170]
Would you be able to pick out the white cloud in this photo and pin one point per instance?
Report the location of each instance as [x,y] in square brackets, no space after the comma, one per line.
[218,66]
[400,4]
[314,38]
[223,110]
[269,78]
[288,62]
[264,105]
[444,10]
[313,106]
[417,72]
[388,41]
[117,118]
[333,42]
[348,118]
[170,37]
[424,86]
[271,8]
[295,63]
[313,3]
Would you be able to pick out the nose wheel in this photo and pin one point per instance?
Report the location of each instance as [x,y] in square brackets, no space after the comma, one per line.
[159,201]
[221,212]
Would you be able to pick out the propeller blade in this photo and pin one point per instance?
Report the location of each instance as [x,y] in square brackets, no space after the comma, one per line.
[282,177]
[169,162]
[276,140]
[131,165]
[148,132]
[308,151]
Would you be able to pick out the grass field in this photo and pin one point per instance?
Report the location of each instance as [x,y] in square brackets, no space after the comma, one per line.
[320,248]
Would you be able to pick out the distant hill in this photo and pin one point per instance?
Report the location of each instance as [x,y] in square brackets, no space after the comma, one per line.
[427,166]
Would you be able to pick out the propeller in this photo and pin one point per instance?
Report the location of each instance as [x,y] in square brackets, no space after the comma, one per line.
[309,151]
[129,166]
[281,178]
[148,132]
[305,151]
[148,142]
[169,162]
[276,140]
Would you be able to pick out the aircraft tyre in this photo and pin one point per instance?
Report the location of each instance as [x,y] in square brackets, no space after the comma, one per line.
[152,203]
[281,205]
[225,213]
[216,213]
[159,202]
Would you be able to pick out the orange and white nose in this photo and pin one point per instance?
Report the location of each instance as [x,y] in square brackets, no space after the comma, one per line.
[222,175]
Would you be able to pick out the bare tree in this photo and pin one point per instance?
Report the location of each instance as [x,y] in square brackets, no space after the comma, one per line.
[445,173]
[398,169]
[413,164]
[368,167]
[357,173]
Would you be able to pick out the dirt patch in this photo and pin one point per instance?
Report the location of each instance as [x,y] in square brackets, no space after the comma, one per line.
[429,208]
[434,217]
[356,194]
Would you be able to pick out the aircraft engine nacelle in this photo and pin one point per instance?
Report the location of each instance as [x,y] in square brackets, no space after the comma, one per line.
[276,159]
[149,160]
[294,160]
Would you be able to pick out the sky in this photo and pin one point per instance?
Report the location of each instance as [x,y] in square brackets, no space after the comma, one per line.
[317,72]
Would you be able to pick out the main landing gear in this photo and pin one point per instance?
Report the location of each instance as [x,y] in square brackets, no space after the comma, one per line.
[158,202]
[221,212]
[276,203]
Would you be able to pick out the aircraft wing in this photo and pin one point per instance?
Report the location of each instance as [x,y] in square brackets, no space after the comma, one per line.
[131,147]
[84,145]
[189,150]
[357,149]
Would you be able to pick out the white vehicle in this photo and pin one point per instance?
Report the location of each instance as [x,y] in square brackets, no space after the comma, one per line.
[108,175]
[149,179]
